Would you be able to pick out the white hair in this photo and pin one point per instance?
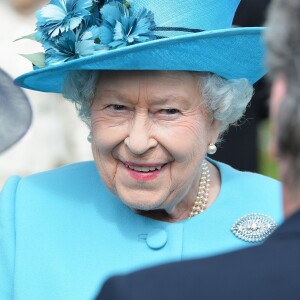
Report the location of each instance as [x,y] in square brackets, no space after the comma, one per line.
[224,100]
[79,87]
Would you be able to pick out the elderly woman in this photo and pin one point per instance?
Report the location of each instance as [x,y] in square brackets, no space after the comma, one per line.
[157,82]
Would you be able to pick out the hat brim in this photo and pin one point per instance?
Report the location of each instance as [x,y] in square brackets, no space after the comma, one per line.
[231,53]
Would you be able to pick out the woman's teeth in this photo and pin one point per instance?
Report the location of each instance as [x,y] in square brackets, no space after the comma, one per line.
[144,169]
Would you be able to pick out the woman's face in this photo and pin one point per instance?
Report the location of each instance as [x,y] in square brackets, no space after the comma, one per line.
[150,133]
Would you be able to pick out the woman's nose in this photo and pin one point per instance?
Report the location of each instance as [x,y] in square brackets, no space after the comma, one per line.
[140,139]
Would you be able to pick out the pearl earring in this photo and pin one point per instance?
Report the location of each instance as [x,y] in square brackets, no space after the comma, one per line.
[211,149]
[89,137]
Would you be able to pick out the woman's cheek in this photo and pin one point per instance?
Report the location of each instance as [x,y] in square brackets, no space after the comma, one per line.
[106,165]
[108,133]
[186,132]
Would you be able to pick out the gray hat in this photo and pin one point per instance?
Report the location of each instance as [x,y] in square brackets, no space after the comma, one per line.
[15,112]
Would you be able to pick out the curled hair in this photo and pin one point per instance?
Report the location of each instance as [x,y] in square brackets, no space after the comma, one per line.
[224,100]
[79,87]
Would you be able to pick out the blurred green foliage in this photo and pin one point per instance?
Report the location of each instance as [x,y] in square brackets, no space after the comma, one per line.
[267,165]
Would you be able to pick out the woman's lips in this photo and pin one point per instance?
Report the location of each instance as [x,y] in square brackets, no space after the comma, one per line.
[143,172]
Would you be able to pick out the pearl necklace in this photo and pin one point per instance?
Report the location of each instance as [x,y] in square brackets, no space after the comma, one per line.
[203,191]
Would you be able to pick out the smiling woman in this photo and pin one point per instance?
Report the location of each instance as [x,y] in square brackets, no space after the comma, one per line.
[138,117]
[157,86]
[158,109]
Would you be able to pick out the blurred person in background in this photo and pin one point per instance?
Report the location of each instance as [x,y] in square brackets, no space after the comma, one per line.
[240,145]
[56,136]
[151,195]
[25,7]
[269,271]
[15,112]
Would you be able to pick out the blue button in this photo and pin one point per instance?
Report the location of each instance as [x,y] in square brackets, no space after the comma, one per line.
[157,238]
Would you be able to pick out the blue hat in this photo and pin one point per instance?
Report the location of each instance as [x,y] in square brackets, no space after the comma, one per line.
[188,35]
[15,112]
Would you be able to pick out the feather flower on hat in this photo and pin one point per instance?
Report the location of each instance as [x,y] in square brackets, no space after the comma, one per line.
[72,45]
[71,29]
[121,27]
[61,16]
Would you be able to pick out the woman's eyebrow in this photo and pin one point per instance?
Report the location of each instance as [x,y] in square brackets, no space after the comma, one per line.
[169,97]
[156,99]
[109,94]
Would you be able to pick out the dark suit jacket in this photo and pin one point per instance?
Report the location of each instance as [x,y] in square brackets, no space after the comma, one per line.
[269,271]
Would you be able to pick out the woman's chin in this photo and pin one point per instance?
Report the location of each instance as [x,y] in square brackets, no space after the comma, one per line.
[143,203]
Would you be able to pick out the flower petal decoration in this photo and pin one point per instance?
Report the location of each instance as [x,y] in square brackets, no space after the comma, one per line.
[72,45]
[62,16]
[27,37]
[70,29]
[37,59]
[121,27]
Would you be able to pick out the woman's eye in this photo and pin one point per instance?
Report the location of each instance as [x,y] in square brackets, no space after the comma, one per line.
[171,111]
[117,107]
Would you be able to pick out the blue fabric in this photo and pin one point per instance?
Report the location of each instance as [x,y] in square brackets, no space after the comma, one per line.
[267,272]
[207,15]
[62,233]
[232,53]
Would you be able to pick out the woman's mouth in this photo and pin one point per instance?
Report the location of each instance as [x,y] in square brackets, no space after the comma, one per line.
[145,169]
[143,172]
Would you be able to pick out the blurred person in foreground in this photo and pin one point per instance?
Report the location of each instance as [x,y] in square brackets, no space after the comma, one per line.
[157,89]
[15,112]
[269,271]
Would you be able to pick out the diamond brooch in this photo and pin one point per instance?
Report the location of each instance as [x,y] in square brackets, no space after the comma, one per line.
[253,227]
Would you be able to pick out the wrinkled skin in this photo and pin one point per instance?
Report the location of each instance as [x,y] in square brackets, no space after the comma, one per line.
[152,119]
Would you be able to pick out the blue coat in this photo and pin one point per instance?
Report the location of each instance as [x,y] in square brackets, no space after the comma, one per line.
[62,233]
[267,272]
